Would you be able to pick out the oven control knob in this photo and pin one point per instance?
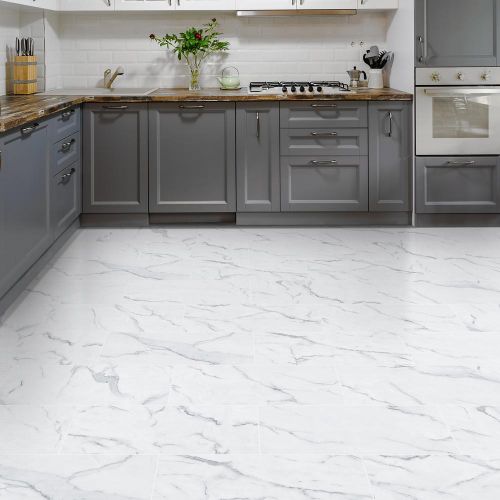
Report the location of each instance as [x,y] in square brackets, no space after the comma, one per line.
[294,88]
[460,76]
[285,90]
[311,88]
[302,88]
[485,76]
[319,88]
[436,77]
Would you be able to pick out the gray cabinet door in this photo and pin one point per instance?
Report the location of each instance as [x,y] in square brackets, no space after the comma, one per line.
[458,185]
[24,201]
[258,157]
[324,184]
[390,156]
[314,142]
[65,198]
[115,158]
[456,32]
[192,157]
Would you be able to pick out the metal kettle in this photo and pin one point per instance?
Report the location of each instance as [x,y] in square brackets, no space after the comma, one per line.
[355,76]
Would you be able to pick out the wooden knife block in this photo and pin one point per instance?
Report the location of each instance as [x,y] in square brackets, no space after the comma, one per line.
[25,75]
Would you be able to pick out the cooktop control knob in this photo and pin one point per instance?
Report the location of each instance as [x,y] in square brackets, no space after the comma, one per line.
[294,88]
[285,90]
[319,88]
[460,76]
[311,88]
[436,77]
[302,88]
[485,76]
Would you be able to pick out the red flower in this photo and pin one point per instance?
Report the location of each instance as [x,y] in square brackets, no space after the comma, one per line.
[198,36]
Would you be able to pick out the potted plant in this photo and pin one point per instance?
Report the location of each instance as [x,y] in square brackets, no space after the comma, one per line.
[194,45]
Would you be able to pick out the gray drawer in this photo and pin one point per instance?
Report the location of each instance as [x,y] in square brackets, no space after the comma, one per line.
[324,184]
[458,185]
[66,152]
[330,142]
[324,114]
[65,123]
[65,198]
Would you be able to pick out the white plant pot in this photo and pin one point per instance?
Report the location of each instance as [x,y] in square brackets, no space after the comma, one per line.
[375,79]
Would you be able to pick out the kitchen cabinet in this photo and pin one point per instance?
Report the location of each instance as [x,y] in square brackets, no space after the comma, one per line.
[324,184]
[326,4]
[258,157]
[211,5]
[145,4]
[24,201]
[65,198]
[192,157]
[457,32]
[115,158]
[86,5]
[391,156]
[458,184]
[41,4]
[266,5]
[378,4]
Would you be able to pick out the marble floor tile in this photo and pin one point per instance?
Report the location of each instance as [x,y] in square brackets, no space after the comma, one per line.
[433,477]
[76,477]
[254,384]
[188,429]
[256,477]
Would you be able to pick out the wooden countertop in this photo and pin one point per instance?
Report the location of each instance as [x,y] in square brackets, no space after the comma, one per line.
[19,110]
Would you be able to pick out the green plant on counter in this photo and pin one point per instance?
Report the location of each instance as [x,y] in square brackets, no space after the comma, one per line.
[194,45]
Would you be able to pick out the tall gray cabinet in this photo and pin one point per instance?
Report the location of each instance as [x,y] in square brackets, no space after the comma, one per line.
[390,155]
[457,32]
[258,157]
[24,201]
[192,157]
[115,158]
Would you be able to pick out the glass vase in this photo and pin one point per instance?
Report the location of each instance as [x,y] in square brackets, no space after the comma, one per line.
[195,77]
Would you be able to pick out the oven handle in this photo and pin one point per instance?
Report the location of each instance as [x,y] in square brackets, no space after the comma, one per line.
[451,164]
[461,92]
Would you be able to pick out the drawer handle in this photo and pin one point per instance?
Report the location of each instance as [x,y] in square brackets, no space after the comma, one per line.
[29,130]
[323,105]
[324,134]
[258,124]
[197,106]
[324,162]
[115,107]
[67,114]
[460,163]
[67,176]
[389,116]
[65,147]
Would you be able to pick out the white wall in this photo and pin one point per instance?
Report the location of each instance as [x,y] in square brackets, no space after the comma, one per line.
[9,29]
[262,48]
[400,38]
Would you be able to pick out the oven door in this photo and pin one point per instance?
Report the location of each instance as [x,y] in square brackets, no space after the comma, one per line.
[455,121]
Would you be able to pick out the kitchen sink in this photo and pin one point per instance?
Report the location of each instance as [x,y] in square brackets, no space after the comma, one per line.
[103,91]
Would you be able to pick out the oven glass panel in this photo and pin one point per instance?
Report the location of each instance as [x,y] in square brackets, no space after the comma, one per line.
[461,117]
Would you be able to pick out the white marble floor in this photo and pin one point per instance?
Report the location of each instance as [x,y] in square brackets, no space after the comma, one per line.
[258,363]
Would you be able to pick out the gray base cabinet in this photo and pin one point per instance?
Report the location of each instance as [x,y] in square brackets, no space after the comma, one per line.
[115,158]
[390,156]
[457,32]
[324,184]
[192,157]
[24,201]
[458,185]
[258,157]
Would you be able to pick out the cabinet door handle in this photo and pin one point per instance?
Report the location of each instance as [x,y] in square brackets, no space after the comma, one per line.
[67,176]
[293,2]
[115,107]
[324,134]
[389,132]
[108,2]
[258,124]
[197,106]
[29,130]
[459,163]
[323,105]
[67,114]
[1,157]
[421,42]
[324,162]
[66,146]
[178,3]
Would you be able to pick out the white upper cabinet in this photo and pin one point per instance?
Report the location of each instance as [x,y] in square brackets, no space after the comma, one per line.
[86,5]
[41,4]
[378,4]
[266,4]
[145,4]
[327,4]
[205,4]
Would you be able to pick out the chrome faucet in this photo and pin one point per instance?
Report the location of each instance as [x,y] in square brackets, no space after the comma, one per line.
[110,78]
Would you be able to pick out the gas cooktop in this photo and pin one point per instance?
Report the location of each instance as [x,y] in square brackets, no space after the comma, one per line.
[297,87]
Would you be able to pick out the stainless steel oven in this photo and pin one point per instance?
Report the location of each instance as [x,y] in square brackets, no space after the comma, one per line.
[457,111]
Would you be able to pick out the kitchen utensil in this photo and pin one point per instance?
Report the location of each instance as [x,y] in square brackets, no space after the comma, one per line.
[18,46]
[230,78]
[31,47]
[355,76]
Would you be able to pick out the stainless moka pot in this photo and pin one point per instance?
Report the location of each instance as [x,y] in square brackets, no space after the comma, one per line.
[355,76]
